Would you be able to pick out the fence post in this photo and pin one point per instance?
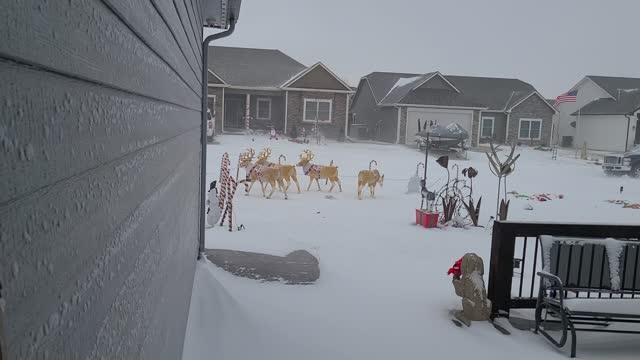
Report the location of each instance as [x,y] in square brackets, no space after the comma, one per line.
[501,267]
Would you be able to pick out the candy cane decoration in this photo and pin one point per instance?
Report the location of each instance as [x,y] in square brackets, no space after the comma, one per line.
[281,157]
[232,191]
[418,168]
[371,164]
[224,178]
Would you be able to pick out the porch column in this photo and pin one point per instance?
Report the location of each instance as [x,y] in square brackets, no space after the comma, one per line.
[286,107]
[247,113]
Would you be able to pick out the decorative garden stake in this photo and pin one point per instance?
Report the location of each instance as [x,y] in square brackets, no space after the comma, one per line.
[472,208]
[502,169]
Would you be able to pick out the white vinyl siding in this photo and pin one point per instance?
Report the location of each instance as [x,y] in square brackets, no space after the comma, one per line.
[487,130]
[530,129]
[263,111]
[317,110]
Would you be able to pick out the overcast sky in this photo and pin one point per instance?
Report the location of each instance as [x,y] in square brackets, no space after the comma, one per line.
[551,44]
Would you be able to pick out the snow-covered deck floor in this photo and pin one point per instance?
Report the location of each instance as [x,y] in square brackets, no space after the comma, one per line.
[383,292]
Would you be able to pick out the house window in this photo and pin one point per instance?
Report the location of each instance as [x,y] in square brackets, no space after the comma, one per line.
[264,109]
[487,127]
[317,109]
[530,129]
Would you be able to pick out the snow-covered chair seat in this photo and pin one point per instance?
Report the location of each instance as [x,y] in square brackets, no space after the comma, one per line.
[585,281]
[625,306]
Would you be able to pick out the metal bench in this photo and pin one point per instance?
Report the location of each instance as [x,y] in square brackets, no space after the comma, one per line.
[586,285]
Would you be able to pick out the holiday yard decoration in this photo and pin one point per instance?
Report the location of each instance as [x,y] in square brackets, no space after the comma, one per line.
[501,169]
[288,172]
[317,172]
[414,181]
[370,178]
[264,174]
[469,284]
[228,187]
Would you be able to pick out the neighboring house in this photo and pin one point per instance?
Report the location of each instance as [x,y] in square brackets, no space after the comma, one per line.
[605,115]
[262,88]
[388,107]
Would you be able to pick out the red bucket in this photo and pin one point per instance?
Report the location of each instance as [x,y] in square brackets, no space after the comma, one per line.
[426,219]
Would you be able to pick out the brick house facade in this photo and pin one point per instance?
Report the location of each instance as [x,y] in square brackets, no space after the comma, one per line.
[296,117]
[275,93]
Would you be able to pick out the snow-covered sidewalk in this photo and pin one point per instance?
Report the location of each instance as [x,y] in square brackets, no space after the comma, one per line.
[383,292]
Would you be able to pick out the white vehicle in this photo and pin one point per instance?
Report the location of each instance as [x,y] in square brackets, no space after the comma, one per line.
[210,124]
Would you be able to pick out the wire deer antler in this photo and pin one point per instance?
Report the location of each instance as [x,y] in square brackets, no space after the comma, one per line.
[306,155]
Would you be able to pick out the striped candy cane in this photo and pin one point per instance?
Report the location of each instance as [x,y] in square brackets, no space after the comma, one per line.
[224,178]
[232,191]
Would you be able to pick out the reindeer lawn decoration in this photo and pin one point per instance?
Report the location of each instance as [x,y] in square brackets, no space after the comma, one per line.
[369,178]
[288,172]
[317,172]
[264,174]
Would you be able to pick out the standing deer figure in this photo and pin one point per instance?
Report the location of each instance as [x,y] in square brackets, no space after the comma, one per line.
[288,171]
[317,172]
[370,178]
[263,174]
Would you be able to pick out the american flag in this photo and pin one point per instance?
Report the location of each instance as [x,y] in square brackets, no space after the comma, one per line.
[570,96]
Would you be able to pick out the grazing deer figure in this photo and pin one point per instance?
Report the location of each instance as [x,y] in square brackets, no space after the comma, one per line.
[288,171]
[369,178]
[316,172]
[264,174]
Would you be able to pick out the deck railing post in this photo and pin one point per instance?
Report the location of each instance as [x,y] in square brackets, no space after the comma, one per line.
[501,267]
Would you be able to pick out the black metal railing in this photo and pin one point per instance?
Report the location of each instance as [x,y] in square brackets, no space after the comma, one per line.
[517,246]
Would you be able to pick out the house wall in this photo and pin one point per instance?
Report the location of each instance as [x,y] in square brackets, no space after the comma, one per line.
[99,198]
[532,108]
[277,112]
[277,107]
[365,108]
[386,128]
[499,127]
[318,78]
[295,111]
[608,132]
[587,92]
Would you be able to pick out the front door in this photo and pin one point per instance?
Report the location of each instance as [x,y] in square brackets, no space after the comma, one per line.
[233,113]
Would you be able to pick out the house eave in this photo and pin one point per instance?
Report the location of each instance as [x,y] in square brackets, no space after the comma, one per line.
[318,90]
[437,106]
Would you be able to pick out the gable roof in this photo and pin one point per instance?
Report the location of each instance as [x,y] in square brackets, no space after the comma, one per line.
[512,105]
[252,67]
[492,93]
[311,68]
[213,78]
[612,84]
[627,103]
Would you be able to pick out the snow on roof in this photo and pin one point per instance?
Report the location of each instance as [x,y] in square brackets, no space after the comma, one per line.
[402,82]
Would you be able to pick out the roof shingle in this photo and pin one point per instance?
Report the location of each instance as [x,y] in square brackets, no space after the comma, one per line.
[492,93]
[252,67]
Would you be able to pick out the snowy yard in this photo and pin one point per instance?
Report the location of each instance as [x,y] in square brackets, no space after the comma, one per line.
[383,292]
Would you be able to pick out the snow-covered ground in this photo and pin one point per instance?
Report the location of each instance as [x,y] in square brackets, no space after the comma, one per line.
[383,292]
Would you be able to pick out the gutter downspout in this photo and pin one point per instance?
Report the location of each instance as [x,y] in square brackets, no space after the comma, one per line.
[626,139]
[203,125]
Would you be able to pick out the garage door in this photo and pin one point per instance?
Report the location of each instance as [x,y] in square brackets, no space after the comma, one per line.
[437,117]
